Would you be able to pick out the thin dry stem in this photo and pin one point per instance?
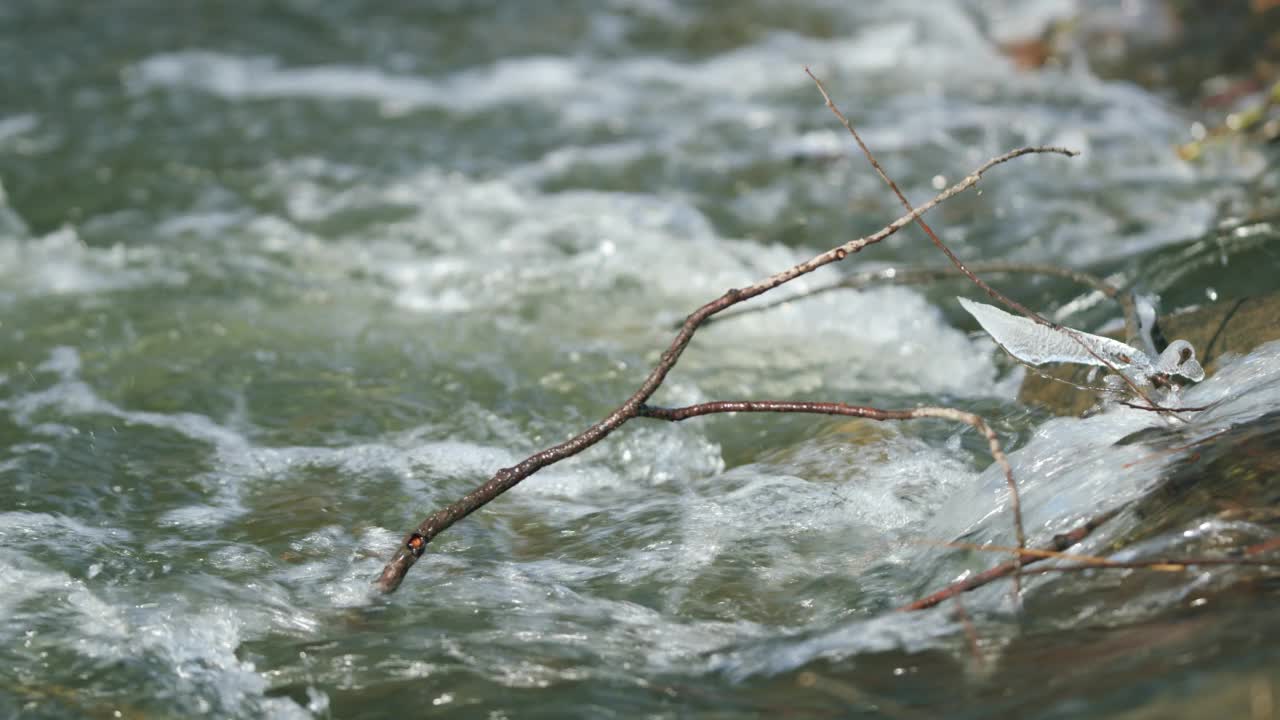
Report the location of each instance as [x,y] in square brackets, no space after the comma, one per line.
[973,582]
[1080,563]
[933,237]
[1026,552]
[916,276]
[995,448]
[871,413]
[1156,564]
[995,294]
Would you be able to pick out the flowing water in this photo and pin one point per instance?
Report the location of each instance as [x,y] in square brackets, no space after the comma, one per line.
[277,282]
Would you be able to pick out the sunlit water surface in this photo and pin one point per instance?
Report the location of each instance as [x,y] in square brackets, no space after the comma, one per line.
[275,284]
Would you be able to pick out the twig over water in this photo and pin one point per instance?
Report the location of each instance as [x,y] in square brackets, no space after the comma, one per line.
[992,292]
[415,542]
[917,276]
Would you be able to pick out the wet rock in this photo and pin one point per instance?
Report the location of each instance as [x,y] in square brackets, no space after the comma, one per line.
[1235,326]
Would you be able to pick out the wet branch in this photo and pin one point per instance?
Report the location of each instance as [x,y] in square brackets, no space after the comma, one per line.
[959,265]
[933,237]
[862,411]
[1012,567]
[1158,564]
[415,542]
[1080,563]
[920,276]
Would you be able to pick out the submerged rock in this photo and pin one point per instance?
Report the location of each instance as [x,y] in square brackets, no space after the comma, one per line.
[1228,327]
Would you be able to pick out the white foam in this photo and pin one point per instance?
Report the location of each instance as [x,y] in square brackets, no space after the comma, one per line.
[198,645]
[853,502]
[14,126]
[24,581]
[889,338]
[18,527]
[12,226]
[59,263]
[497,244]
[665,454]
[240,78]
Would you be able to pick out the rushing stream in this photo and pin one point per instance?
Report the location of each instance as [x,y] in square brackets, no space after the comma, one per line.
[277,282]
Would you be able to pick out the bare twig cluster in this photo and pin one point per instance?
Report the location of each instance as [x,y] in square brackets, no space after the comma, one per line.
[637,406]
[959,265]
[415,542]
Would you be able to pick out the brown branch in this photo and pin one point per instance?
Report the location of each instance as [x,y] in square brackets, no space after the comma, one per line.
[917,276]
[1017,510]
[1011,567]
[415,542]
[995,294]
[1084,562]
[862,411]
[933,237]
[1158,564]
[1025,552]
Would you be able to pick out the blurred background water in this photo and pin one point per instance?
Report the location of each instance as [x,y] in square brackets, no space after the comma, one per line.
[278,278]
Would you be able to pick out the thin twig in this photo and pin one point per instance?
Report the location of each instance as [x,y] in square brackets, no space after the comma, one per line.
[933,237]
[1013,489]
[1158,564]
[415,542]
[871,413]
[917,276]
[959,264]
[1059,543]
[970,632]
[1084,562]
[1081,562]
[1025,552]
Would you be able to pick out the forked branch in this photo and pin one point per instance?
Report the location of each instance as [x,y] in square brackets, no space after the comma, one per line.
[922,275]
[937,242]
[1055,550]
[415,542]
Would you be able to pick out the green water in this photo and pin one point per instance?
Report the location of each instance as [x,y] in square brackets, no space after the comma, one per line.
[279,278]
